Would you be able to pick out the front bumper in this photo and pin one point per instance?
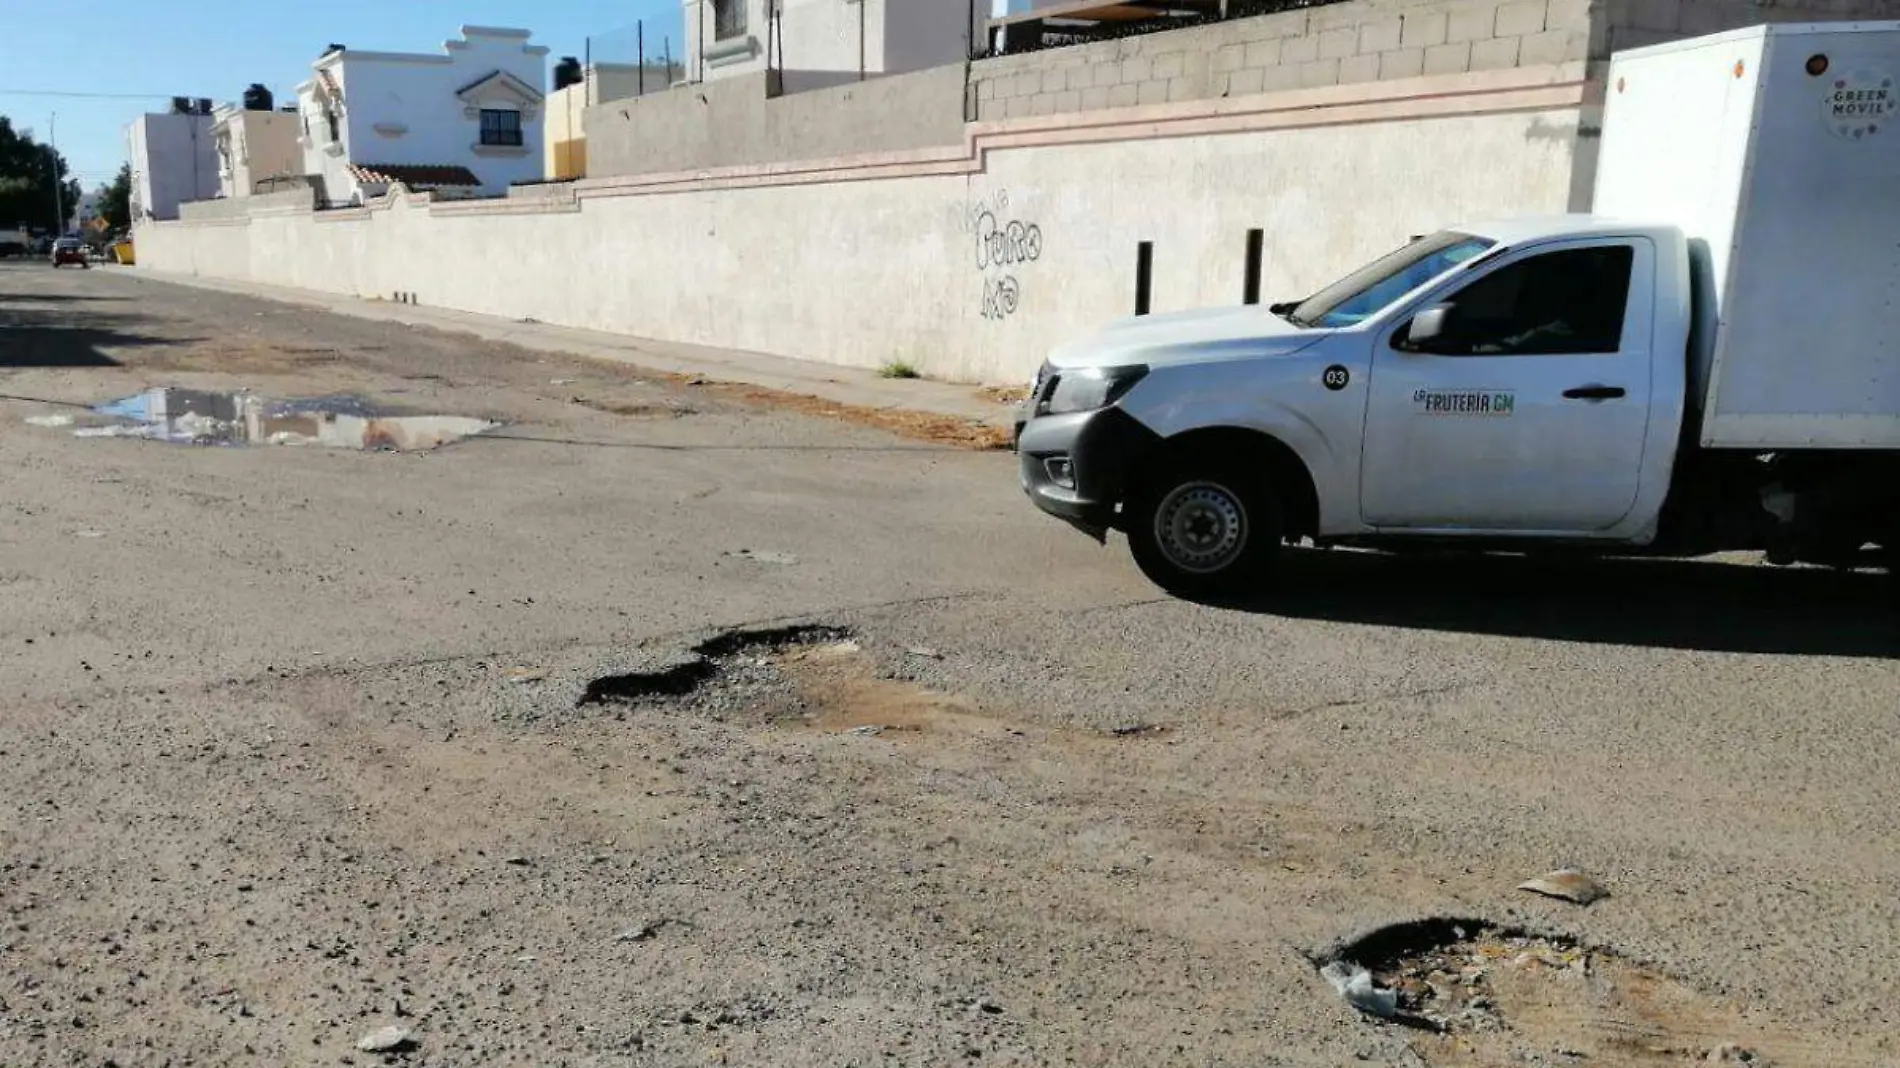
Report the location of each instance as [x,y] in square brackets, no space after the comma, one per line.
[1076,466]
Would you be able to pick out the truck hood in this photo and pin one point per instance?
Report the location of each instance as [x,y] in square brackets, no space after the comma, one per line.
[1186,337]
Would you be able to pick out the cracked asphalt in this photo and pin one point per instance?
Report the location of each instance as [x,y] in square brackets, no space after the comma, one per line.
[293,751]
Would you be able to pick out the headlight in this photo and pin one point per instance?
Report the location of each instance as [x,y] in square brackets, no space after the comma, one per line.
[1089,388]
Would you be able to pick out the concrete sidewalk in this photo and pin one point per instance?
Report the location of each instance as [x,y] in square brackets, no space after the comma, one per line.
[840,385]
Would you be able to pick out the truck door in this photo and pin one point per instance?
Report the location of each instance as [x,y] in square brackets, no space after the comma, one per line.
[1527,411]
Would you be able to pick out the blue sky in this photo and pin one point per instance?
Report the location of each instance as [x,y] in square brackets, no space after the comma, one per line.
[215,48]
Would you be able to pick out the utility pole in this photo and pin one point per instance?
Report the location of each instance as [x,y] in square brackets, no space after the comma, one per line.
[52,164]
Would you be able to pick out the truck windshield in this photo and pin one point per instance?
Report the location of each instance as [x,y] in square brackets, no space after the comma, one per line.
[1371,288]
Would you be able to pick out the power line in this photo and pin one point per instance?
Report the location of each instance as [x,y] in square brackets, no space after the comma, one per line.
[89,96]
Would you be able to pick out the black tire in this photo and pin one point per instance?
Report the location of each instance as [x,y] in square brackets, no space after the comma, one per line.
[1203,527]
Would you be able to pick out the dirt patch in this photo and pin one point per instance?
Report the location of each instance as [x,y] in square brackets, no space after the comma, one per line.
[842,692]
[1004,394]
[918,426]
[636,409]
[1483,995]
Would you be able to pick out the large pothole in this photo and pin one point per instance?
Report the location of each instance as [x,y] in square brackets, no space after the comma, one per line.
[735,672]
[807,675]
[1476,993]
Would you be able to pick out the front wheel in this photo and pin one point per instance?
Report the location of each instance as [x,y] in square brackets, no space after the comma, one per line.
[1203,528]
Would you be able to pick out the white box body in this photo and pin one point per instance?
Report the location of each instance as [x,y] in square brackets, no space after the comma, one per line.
[1787,182]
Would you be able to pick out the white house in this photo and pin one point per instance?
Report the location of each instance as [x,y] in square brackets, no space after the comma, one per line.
[252,146]
[466,122]
[820,43]
[172,162]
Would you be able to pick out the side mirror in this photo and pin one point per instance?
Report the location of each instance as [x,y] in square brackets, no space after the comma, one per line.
[1429,326]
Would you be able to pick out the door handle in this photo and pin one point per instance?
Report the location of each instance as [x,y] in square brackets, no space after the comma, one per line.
[1593,392]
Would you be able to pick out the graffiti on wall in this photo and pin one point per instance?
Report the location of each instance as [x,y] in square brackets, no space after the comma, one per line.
[1005,244]
[1000,296]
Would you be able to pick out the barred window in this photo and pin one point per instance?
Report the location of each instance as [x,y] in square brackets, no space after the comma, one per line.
[501,127]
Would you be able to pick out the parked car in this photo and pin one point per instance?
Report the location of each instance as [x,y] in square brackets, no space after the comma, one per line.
[1719,378]
[69,250]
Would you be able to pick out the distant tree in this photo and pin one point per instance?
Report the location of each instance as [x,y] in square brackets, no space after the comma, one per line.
[28,170]
[115,199]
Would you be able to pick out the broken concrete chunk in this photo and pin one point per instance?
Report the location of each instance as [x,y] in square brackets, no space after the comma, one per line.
[1567,884]
[391,1039]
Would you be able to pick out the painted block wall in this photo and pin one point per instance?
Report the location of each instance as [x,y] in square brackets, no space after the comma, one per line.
[971,264]
[736,121]
[1362,41]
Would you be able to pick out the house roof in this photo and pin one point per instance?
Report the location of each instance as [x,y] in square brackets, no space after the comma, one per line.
[415,175]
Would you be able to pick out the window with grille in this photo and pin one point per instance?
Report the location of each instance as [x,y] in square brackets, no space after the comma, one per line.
[728,18]
[500,127]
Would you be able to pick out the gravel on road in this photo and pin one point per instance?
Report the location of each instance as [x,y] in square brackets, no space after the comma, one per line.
[659,727]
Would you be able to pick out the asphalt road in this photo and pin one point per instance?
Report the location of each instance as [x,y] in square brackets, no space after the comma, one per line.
[294,748]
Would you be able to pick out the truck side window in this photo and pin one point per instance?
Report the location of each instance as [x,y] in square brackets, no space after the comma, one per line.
[1560,302]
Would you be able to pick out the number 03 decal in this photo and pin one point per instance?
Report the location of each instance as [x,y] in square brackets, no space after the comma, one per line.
[1335,377]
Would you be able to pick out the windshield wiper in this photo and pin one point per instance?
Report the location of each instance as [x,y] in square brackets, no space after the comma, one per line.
[1285,310]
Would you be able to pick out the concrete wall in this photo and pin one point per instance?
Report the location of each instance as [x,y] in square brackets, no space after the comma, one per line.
[732,121]
[242,209]
[174,160]
[865,260]
[1361,41]
[565,131]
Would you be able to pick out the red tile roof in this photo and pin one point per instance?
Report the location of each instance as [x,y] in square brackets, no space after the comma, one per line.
[415,175]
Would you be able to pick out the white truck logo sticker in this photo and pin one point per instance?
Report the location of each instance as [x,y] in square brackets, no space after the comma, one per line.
[1857,105]
[1464,401]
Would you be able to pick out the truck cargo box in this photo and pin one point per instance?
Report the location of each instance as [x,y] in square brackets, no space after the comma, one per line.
[1777,150]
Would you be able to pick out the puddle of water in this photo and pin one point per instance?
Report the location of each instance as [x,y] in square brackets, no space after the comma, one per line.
[201,417]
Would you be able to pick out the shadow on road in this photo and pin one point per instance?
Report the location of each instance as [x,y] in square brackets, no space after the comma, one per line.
[1675,604]
[31,338]
[57,298]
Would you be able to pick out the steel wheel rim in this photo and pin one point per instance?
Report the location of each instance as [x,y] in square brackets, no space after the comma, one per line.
[1201,527]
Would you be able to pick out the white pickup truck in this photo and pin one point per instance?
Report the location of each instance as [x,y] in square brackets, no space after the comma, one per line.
[1710,363]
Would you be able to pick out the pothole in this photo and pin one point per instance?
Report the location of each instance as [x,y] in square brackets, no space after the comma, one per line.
[731,672]
[204,417]
[764,640]
[808,675]
[1477,993]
